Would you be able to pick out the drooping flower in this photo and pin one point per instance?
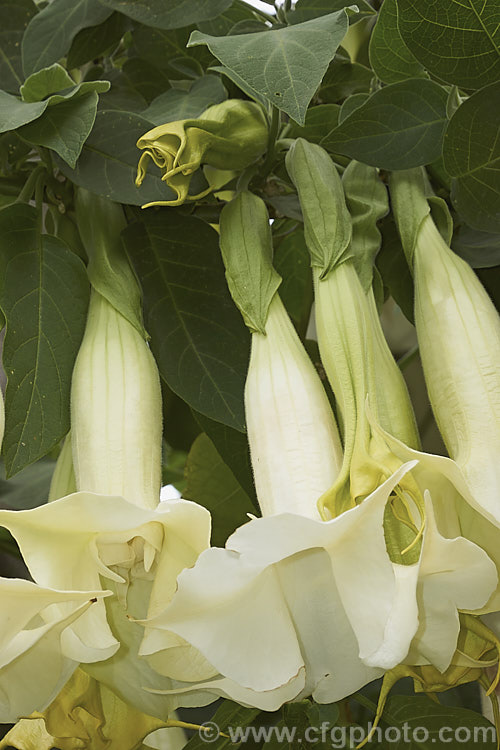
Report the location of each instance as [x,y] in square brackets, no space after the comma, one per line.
[113,531]
[281,612]
[377,415]
[228,136]
[458,330]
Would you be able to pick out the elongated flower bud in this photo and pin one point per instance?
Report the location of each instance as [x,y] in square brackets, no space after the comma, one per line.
[116,413]
[458,331]
[116,410]
[294,443]
[229,136]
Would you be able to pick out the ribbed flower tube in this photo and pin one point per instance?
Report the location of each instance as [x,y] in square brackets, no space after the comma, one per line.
[363,375]
[294,443]
[116,410]
[458,331]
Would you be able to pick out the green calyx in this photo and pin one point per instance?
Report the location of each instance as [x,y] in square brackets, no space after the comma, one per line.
[228,136]
[108,269]
[412,201]
[247,251]
[327,223]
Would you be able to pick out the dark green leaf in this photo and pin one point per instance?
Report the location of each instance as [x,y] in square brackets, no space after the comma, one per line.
[108,163]
[319,120]
[351,103]
[293,263]
[172,15]
[159,46]
[285,65]
[64,128]
[14,17]
[14,112]
[471,154]
[197,335]
[398,127]
[229,714]
[232,446]
[50,33]
[393,267]
[430,725]
[44,297]
[240,83]
[390,58]
[225,22]
[455,40]
[480,249]
[176,104]
[30,488]
[344,78]
[92,42]
[143,78]
[306,9]
[212,484]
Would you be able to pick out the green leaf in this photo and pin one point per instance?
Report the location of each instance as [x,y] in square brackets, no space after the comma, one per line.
[344,78]
[319,120]
[306,9]
[108,162]
[30,488]
[393,267]
[390,58]
[177,104]
[228,714]
[232,446]
[160,46]
[430,725]
[14,112]
[225,22]
[455,40]
[398,127]
[14,17]
[45,82]
[212,484]
[64,128]
[172,15]
[293,263]
[50,33]
[44,297]
[197,335]
[471,154]
[285,65]
[240,83]
[351,103]
[143,78]
[93,41]
[479,249]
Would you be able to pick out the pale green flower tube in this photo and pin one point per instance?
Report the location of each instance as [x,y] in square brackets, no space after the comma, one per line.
[116,410]
[458,331]
[294,443]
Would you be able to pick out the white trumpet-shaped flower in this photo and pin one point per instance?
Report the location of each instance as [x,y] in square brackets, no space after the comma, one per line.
[296,605]
[113,531]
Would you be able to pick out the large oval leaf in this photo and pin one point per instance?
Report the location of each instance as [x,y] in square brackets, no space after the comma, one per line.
[108,163]
[44,297]
[471,154]
[400,126]
[197,335]
[173,14]
[455,40]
